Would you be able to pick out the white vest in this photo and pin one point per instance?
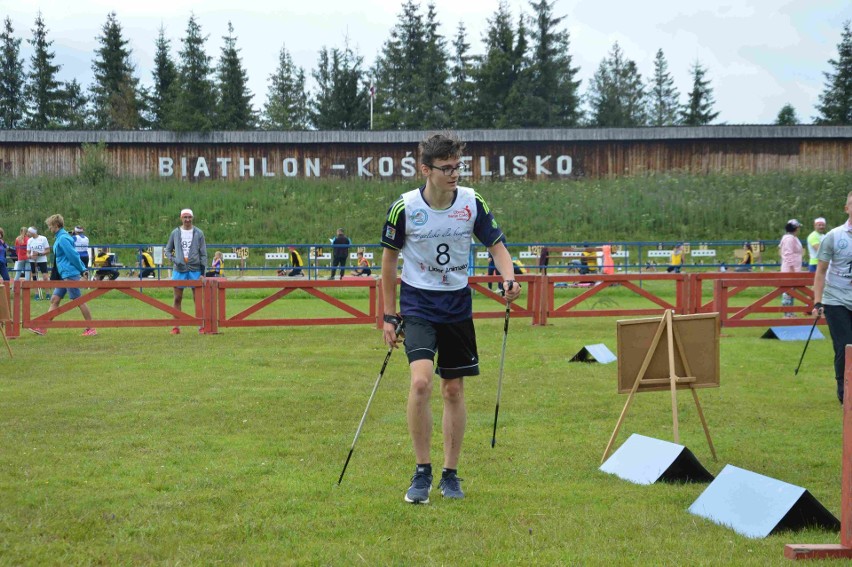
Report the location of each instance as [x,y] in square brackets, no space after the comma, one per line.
[437,243]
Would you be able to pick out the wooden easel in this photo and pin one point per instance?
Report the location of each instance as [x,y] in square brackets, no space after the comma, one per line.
[666,325]
[5,317]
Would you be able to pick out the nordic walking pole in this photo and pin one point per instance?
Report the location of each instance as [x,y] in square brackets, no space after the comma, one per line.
[819,314]
[398,331]
[502,362]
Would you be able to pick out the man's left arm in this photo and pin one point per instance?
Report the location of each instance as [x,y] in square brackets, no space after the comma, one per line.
[503,262]
[203,251]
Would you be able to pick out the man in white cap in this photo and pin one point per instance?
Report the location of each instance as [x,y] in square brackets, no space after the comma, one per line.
[81,244]
[187,250]
[814,240]
[37,250]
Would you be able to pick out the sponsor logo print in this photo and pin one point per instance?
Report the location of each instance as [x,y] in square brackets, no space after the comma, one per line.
[419,217]
[463,215]
[390,232]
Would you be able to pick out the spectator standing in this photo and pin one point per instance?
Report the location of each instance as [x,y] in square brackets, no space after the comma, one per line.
[81,244]
[791,257]
[339,253]
[22,263]
[4,271]
[833,290]
[69,267]
[435,300]
[814,240]
[187,249]
[38,249]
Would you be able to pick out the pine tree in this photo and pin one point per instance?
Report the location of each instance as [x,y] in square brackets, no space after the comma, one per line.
[497,71]
[664,99]
[234,110]
[462,87]
[699,108]
[12,103]
[195,100]
[115,93]
[835,102]
[787,116]
[616,94]
[287,101]
[46,104]
[341,101]
[165,76]
[551,99]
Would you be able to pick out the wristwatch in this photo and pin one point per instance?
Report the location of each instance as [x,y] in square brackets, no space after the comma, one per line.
[392,319]
[818,305]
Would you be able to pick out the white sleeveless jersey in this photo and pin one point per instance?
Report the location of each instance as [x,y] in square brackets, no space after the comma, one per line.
[81,244]
[437,247]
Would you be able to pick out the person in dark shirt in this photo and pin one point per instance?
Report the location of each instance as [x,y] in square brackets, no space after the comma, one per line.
[340,253]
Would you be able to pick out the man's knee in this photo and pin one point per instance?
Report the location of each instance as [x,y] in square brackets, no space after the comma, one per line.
[452,390]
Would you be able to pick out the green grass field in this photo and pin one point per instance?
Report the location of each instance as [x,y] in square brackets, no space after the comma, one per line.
[138,447]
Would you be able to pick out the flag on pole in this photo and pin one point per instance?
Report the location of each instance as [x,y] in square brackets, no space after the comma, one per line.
[372,90]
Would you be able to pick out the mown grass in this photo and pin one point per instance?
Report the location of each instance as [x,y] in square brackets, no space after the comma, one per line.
[639,208]
[136,446]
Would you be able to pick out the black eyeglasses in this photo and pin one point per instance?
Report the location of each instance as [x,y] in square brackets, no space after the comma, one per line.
[449,169]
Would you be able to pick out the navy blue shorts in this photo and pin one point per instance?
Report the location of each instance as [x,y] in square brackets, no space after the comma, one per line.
[454,343]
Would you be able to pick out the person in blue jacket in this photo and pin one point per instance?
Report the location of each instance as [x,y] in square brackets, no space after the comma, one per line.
[69,267]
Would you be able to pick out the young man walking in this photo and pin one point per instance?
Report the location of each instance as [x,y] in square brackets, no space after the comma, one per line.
[431,227]
[833,290]
[69,267]
[187,250]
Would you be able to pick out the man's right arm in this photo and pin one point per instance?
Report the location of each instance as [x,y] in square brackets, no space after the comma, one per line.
[390,261]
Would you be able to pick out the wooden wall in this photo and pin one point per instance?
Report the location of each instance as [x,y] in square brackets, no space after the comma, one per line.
[503,154]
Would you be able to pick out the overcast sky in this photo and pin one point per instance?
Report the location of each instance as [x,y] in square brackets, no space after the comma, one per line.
[759,54]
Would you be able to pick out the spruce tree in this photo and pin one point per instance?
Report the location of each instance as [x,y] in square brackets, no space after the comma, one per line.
[165,77]
[44,94]
[551,98]
[398,73]
[462,87]
[835,102]
[234,110]
[496,71]
[432,110]
[195,100]
[664,99]
[787,116]
[115,92]
[287,101]
[341,101]
[77,113]
[12,103]
[616,93]
[699,107]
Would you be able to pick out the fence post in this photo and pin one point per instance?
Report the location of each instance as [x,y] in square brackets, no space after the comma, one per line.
[380,304]
[14,330]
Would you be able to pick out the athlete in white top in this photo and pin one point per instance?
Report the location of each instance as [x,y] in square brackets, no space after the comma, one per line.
[432,227]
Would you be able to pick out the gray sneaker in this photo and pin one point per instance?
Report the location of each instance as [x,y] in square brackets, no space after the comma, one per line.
[421,485]
[451,486]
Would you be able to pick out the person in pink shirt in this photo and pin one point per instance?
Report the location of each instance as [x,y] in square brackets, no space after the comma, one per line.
[791,256]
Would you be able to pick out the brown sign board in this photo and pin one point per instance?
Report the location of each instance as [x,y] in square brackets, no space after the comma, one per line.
[699,337]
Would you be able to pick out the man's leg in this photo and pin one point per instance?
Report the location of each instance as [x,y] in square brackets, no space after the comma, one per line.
[840,326]
[454,420]
[419,411]
[178,298]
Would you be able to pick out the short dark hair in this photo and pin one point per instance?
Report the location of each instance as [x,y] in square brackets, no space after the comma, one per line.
[443,145]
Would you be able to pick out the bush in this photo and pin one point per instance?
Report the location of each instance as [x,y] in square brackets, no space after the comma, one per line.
[94,168]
